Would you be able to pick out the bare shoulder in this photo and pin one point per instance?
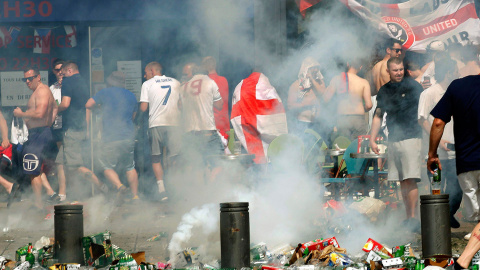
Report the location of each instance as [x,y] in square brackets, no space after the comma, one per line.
[294,86]
[379,65]
[42,90]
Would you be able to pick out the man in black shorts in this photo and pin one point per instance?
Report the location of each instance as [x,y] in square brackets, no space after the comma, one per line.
[39,116]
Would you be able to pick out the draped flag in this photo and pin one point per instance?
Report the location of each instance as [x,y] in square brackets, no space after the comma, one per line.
[258,115]
[71,32]
[44,36]
[418,22]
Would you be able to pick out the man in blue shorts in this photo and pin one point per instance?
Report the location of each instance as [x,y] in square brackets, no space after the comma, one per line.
[118,107]
[39,117]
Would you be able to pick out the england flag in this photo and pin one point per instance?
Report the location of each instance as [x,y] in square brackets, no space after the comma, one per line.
[258,115]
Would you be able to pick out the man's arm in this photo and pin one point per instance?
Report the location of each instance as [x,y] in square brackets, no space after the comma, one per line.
[218,104]
[318,87]
[90,104]
[143,106]
[4,131]
[436,133]
[64,104]
[384,76]
[367,97]
[376,123]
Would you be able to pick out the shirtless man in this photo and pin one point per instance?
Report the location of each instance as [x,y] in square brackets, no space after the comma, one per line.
[39,117]
[470,57]
[380,76]
[393,48]
[354,99]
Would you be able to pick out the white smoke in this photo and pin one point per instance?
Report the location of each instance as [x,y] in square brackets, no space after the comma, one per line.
[205,217]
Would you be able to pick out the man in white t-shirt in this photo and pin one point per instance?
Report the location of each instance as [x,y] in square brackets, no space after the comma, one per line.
[57,130]
[199,95]
[160,95]
[445,72]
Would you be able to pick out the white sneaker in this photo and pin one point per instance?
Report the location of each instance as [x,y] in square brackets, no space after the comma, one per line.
[467,237]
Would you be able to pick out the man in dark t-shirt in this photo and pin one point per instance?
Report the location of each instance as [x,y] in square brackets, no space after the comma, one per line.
[399,99]
[75,94]
[462,102]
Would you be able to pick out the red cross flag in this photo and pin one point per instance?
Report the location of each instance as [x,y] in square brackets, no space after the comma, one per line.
[418,23]
[258,115]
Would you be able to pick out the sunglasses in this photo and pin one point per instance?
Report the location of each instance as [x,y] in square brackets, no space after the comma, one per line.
[57,69]
[396,50]
[29,78]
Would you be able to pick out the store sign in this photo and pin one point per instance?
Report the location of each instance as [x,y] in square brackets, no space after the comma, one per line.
[89,10]
[14,91]
[25,9]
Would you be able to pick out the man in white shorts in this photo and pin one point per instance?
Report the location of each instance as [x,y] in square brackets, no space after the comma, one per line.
[160,96]
[399,99]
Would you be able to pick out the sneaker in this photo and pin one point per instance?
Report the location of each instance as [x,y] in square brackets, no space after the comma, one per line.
[135,200]
[467,237]
[120,197]
[454,223]
[12,194]
[163,196]
[53,199]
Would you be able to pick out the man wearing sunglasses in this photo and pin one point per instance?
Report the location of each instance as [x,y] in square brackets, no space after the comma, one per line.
[393,48]
[39,117]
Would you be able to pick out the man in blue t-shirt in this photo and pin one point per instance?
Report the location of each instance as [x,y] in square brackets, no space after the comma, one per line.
[462,102]
[399,100]
[118,107]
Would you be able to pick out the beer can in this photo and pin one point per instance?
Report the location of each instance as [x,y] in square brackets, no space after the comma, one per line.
[398,251]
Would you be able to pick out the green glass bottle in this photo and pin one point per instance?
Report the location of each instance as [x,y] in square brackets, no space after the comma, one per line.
[30,257]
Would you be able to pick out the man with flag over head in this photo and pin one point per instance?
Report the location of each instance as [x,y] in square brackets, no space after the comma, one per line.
[258,114]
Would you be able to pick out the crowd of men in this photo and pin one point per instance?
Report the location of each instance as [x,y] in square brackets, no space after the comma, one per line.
[189,123]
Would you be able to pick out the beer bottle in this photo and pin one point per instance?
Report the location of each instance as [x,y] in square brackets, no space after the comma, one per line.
[436,179]
[30,257]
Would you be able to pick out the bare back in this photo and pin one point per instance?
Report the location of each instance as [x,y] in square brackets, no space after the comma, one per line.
[358,94]
[43,103]
[380,74]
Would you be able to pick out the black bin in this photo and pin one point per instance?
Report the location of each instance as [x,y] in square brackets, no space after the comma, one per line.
[436,234]
[68,224]
[235,235]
